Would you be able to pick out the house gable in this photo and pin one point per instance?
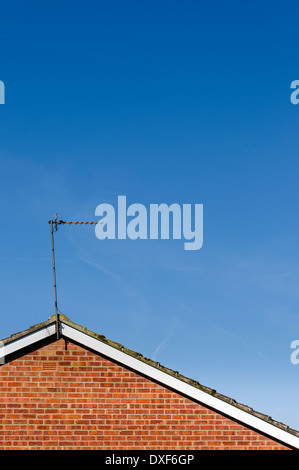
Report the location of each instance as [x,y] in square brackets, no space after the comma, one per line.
[152,400]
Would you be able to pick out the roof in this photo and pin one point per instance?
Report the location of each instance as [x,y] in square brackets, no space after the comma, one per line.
[152,370]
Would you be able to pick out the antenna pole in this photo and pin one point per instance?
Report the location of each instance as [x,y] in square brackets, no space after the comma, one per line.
[55,223]
[54,273]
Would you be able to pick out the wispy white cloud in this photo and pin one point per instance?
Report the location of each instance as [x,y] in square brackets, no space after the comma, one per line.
[226,332]
[167,338]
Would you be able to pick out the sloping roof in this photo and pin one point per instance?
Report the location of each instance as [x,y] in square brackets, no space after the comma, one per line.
[152,370]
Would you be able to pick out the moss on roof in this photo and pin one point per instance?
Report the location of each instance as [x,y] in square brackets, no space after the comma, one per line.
[64,319]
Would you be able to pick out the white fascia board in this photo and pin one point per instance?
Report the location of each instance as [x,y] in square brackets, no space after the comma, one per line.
[179,386]
[24,341]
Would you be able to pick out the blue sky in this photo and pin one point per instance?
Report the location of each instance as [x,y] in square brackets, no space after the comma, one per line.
[164,102]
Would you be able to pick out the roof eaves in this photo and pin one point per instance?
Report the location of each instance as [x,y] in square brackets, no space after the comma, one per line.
[28,331]
[184,379]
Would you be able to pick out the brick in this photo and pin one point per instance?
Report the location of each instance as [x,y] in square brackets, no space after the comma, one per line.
[90,403]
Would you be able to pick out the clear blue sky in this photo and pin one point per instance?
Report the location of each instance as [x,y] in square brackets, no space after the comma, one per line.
[161,101]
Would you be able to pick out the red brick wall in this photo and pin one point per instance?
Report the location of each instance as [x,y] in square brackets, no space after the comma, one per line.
[73,399]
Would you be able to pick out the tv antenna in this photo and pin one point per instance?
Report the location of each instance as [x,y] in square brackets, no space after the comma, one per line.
[54,227]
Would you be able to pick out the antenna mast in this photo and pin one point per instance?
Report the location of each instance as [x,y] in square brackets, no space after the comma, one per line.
[54,225]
